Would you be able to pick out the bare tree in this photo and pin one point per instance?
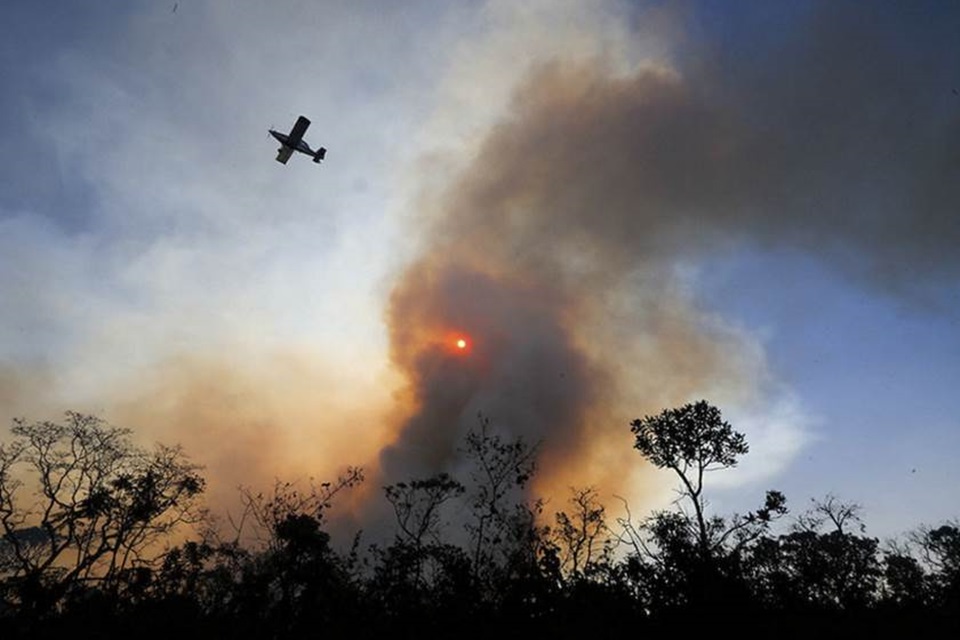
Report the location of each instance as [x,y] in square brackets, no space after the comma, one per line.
[417,505]
[273,512]
[100,506]
[501,470]
[840,515]
[580,534]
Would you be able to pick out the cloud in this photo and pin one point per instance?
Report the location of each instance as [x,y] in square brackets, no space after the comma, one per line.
[201,292]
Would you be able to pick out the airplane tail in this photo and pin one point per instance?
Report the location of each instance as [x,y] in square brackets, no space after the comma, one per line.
[319,155]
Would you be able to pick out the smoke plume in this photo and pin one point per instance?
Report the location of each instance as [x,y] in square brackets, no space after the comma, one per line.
[561,247]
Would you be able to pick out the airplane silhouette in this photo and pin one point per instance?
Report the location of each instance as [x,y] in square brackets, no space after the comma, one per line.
[293,141]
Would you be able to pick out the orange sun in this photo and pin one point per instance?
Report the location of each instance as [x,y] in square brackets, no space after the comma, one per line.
[457,343]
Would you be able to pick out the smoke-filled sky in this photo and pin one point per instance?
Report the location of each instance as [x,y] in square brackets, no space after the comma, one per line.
[620,206]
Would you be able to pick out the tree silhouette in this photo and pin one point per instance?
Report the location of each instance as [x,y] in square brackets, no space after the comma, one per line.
[694,560]
[85,550]
[501,518]
[99,509]
[417,506]
[579,534]
[298,580]
[940,550]
[821,565]
[690,441]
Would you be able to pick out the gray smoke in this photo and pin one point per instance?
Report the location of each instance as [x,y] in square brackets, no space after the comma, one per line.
[557,247]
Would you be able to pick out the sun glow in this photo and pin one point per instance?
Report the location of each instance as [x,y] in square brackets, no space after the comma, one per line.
[457,343]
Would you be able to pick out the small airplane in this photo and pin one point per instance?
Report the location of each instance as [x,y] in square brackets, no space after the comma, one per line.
[293,141]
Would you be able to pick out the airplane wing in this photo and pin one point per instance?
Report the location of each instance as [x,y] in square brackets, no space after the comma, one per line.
[284,153]
[296,134]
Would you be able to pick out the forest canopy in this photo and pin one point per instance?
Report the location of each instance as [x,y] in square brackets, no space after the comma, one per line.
[99,531]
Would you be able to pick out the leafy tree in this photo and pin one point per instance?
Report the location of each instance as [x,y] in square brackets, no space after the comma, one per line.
[691,441]
[905,583]
[433,581]
[682,560]
[202,574]
[273,512]
[84,550]
[940,551]
[99,509]
[298,579]
[276,575]
[821,564]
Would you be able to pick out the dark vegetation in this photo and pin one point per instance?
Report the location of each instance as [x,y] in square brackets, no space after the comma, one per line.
[90,546]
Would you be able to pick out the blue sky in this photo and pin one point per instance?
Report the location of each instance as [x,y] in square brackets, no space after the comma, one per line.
[160,269]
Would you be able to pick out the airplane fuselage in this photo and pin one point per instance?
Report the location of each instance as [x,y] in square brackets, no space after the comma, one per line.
[284,139]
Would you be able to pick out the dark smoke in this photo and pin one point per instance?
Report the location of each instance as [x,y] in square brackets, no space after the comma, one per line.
[558,246]
[523,367]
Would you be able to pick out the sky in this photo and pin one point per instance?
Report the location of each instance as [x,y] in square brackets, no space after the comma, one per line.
[621,206]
